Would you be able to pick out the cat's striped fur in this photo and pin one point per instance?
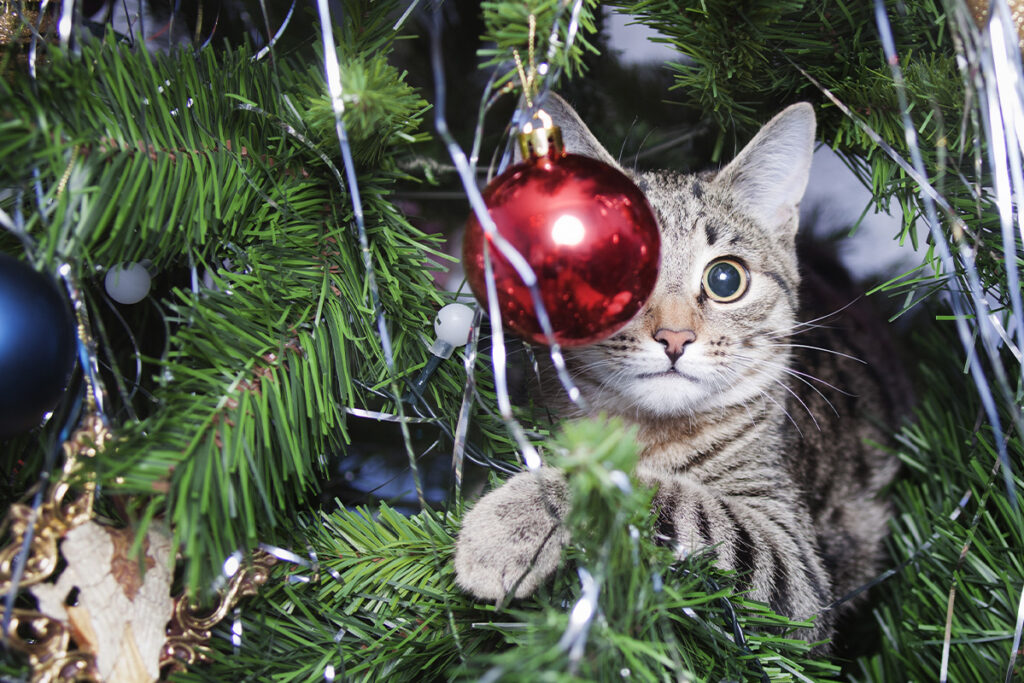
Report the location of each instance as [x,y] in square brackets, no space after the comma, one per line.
[754,415]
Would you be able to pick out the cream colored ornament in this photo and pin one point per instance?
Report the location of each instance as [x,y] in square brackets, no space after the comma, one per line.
[123,601]
[979,9]
[16,20]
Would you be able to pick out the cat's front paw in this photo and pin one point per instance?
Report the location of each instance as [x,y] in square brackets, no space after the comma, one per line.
[512,538]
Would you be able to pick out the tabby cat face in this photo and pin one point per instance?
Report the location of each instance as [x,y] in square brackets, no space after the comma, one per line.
[713,333]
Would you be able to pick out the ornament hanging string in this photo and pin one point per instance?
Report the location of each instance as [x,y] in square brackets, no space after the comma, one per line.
[527,78]
[1005,133]
[959,228]
[34,44]
[25,551]
[425,412]
[522,120]
[95,426]
[68,27]
[486,102]
[988,324]
[16,226]
[405,15]
[999,77]
[333,77]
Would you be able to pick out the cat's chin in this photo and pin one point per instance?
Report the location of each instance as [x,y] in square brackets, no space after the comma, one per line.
[675,393]
[666,393]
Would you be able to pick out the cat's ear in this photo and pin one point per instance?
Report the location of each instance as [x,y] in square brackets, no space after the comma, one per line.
[770,175]
[575,135]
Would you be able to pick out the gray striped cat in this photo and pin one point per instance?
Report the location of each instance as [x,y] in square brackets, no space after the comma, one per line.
[746,376]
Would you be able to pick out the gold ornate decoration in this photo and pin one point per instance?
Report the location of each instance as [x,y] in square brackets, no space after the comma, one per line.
[44,639]
[46,642]
[54,517]
[62,650]
[189,632]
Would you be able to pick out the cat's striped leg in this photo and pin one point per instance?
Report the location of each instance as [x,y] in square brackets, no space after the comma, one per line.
[766,538]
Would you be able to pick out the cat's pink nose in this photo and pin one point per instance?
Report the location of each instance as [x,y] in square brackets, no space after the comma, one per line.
[675,341]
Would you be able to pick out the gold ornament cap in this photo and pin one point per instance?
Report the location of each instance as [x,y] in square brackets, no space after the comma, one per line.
[541,141]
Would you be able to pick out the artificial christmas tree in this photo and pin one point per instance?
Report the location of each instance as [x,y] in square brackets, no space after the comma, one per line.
[269,187]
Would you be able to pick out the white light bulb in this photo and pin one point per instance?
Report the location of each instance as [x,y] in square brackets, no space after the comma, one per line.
[127,283]
[453,324]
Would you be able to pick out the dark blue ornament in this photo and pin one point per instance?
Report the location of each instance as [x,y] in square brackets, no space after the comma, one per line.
[37,345]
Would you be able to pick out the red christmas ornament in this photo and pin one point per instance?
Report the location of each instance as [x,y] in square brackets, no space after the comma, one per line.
[585,229]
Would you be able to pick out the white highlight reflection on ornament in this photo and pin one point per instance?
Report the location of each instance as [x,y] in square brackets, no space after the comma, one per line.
[568,230]
[127,283]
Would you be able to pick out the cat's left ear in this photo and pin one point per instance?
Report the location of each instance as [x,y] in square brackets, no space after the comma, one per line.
[770,175]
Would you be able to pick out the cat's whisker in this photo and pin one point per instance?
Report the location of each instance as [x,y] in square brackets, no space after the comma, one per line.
[746,404]
[834,314]
[801,402]
[805,378]
[800,327]
[781,407]
[792,331]
[609,382]
[784,411]
[753,420]
[758,372]
[802,376]
[820,348]
[760,363]
[596,364]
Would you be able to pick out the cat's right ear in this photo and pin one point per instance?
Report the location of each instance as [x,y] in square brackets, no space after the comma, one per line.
[575,135]
[770,175]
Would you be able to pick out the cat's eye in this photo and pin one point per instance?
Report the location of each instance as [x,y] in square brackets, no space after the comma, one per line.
[726,280]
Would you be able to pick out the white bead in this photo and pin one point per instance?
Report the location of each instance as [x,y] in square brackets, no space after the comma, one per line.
[127,283]
[453,324]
